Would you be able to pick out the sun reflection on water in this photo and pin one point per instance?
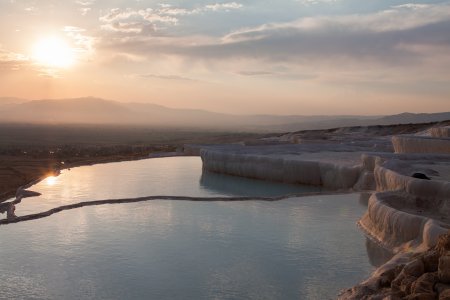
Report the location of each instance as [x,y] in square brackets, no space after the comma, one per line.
[51,180]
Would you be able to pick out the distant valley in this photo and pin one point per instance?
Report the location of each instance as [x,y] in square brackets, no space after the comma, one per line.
[98,111]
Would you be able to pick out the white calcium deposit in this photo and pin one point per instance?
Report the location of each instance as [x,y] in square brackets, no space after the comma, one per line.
[421,144]
[441,132]
[405,214]
[285,168]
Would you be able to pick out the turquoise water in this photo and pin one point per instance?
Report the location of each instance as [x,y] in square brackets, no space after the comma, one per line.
[298,248]
[301,248]
[175,176]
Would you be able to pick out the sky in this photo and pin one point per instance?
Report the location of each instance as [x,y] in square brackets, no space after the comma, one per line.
[304,57]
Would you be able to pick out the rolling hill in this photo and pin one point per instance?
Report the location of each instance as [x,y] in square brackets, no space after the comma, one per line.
[99,111]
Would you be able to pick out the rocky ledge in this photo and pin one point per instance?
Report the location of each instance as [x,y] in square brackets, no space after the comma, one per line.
[425,276]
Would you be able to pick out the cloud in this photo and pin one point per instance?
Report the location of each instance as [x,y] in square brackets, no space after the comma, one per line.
[139,21]
[130,21]
[10,61]
[85,6]
[398,18]
[389,38]
[84,10]
[172,10]
[223,6]
[130,27]
[83,43]
[312,2]
[255,73]
[276,74]
[85,3]
[165,77]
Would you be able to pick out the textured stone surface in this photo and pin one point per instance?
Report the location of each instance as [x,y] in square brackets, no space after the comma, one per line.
[421,296]
[443,244]
[431,261]
[418,144]
[444,269]
[445,295]
[415,268]
[387,277]
[441,287]
[397,282]
[425,283]
[333,170]
[441,132]
[407,284]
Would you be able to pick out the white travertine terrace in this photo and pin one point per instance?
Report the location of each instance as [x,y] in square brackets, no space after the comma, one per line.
[393,227]
[421,144]
[405,214]
[400,201]
[306,169]
[440,132]
[406,209]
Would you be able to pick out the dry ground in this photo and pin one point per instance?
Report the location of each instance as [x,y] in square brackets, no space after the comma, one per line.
[29,152]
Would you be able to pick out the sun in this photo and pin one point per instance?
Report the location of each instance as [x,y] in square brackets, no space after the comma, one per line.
[53,52]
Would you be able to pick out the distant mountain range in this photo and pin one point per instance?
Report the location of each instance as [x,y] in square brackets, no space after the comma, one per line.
[99,111]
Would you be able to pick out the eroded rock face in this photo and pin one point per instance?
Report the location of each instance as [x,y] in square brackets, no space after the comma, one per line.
[421,296]
[407,283]
[388,276]
[441,287]
[431,261]
[424,284]
[443,244]
[445,295]
[444,269]
[426,276]
[415,268]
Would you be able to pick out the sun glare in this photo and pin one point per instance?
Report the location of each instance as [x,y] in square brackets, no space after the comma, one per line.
[51,180]
[53,52]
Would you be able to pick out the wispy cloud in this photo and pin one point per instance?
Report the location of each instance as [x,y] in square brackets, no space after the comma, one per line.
[147,20]
[387,37]
[165,77]
[85,6]
[286,75]
[312,2]
[10,61]
[223,6]
[83,43]
[255,73]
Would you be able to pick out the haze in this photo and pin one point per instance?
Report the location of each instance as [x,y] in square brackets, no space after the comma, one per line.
[308,57]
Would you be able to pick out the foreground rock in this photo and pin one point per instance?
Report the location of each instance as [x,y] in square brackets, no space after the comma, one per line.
[426,276]
[409,214]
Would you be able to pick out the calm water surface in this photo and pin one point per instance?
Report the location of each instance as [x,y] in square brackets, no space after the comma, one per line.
[299,248]
[175,176]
